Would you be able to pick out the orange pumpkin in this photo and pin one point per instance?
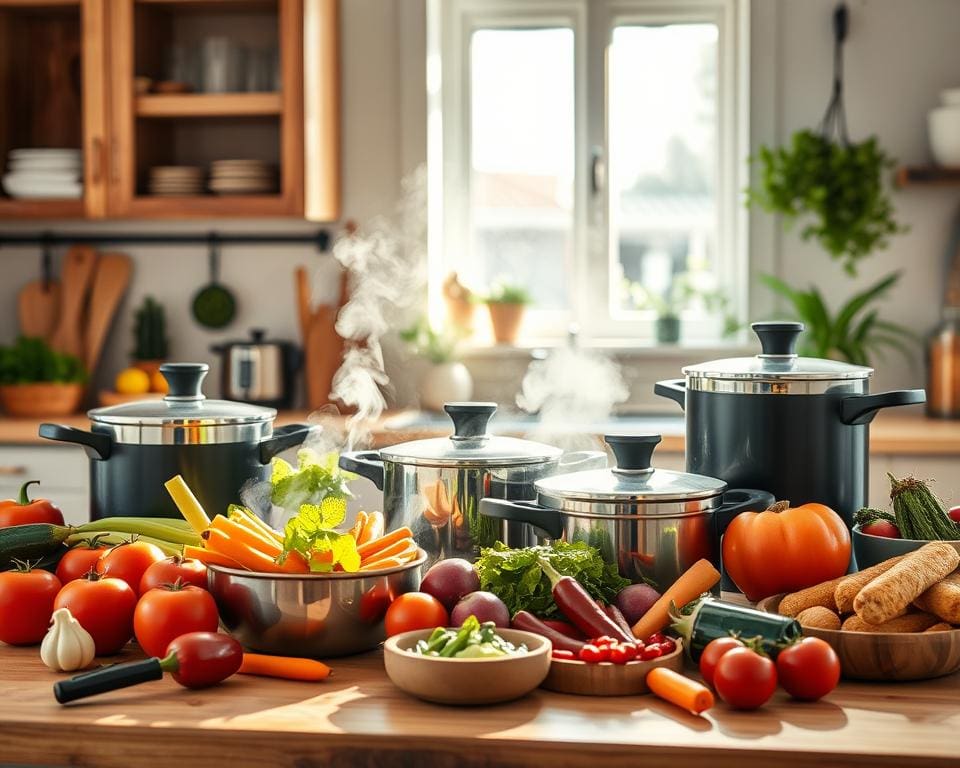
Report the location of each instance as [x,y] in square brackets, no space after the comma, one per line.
[784,549]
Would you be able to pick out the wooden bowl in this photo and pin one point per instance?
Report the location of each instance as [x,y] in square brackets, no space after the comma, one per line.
[868,550]
[26,401]
[892,656]
[605,678]
[467,682]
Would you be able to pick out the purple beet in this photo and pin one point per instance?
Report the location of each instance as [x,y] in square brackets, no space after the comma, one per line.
[449,580]
[486,606]
[635,600]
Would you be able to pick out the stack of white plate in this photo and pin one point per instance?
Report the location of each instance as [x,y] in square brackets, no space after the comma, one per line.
[176,180]
[241,177]
[36,174]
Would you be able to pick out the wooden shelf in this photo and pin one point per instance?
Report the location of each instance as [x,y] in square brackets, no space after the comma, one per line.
[206,206]
[208,104]
[927,176]
[41,209]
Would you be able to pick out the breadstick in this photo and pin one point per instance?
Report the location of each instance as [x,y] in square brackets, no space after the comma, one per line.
[942,599]
[820,594]
[818,617]
[848,587]
[890,594]
[911,622]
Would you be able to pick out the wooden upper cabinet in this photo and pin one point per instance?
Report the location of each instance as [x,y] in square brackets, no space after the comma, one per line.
[178,83]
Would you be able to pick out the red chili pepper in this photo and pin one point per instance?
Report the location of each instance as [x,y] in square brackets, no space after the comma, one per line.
[561,654]
[22,511]
[590,653]
[576,604]
[195,660]
[617,617]
[650,652]
[529,623]
[565,628]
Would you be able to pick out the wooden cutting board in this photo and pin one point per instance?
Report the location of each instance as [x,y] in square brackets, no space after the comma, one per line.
[322,345]
[38,308]
[110,280]
[75,279]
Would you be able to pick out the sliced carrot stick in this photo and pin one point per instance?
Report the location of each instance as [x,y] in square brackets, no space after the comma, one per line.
[209,557]
[379,565]
[295,563]
[240,551]
[392,550]
[677,689]
[288,668]
[372,528]
[244,534]
[245,515]
[358,525]
[383,542]
[693,582]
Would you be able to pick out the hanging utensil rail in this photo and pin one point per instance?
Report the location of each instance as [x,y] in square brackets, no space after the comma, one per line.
[320,238]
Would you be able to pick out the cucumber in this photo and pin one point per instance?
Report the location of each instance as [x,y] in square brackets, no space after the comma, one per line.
[31,542]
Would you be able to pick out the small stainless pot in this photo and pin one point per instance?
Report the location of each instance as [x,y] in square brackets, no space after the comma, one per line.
[434,486]
[652,523]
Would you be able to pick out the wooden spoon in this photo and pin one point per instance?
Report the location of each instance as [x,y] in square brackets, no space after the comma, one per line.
[75,279]
[38,307]
[110,281]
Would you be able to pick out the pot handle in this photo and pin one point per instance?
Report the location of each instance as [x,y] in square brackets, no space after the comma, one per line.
[740,500]
[674,389]
[367,464]
[283,438]
[550,521]
[97,446]
[860,409]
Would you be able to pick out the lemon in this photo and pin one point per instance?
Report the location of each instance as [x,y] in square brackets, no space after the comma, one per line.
[132,381]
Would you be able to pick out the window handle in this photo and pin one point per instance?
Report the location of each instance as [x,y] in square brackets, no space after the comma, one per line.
[598,170]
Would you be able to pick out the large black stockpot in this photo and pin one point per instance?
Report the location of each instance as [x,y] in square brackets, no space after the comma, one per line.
[217,446]
[794,426]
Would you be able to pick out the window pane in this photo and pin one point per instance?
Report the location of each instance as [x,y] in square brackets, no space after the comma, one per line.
[522,156]
[663,83]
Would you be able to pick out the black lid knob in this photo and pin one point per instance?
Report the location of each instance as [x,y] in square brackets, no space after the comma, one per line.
[185,380]
[470,419]
[257,335]
[634,453]
[778,338]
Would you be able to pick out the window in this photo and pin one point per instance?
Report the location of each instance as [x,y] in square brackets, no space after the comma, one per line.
[593,151]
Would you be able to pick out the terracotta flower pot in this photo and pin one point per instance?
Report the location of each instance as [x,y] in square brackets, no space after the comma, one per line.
[40,399]
[506,320]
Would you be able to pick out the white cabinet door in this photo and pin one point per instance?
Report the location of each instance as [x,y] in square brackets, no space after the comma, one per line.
[62,472]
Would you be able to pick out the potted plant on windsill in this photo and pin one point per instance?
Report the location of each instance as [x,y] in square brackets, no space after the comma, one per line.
[682,294]
[506,303]
[446,380]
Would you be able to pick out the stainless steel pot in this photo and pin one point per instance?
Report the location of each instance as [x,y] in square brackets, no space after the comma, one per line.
[258,371]
[652,523]
[434,486]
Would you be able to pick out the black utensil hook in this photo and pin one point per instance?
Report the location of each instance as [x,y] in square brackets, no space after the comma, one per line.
[46,261]
[213,257]
[835,118]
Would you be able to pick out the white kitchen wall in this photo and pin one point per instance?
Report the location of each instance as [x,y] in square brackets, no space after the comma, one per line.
[899,56]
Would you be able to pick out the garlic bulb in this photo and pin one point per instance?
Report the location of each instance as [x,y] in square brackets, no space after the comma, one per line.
[67,646]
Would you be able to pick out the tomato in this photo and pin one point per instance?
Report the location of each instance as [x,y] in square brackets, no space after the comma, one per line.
[744,679]
[23,511]
[79,561]
[954,514]
[589,653]
[204,658]
[129,561]
[170,570]
[104,607]
[712,653]
[619,654]
[809,669]
[26,604]
[785,549]
[881,528]
[650,652]
[415,610]
[165,613]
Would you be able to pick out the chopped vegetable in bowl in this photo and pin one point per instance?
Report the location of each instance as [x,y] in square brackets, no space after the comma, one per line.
[473,640]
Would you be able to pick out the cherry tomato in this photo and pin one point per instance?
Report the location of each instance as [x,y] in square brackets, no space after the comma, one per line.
[605,640]
[954,514]
[712,653]
[619,654]
[809,669]
[650,652]
[204,658]
[414,610]
[744,679]
[78,561]
[882,528]
[657,637]
[129,561]
[173,569]
[561,653]
[26,604]
[23,511]
[169,611]
[590,653]
[104,607]
[630,649]
[604,652]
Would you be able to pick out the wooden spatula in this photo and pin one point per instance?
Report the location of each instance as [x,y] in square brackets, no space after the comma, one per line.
[75,279]
[38,307]
[110,281]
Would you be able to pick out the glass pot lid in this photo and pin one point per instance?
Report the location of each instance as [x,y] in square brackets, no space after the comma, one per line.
[471,444]
[633,479]
[185,403]
[777,361]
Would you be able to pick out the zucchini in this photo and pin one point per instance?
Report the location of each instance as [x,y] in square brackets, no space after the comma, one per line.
[31,542]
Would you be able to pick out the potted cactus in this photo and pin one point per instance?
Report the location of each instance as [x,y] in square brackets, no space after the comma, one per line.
[150,337]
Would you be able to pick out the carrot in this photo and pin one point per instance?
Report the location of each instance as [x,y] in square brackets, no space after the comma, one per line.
[209,557]
[295,563]
[358,525]
[244,515]
[677,689]
[242,533]
[393,549]
[383,542]
[243,553]
[372,529]
[379,565]
[286,667]
[697,579]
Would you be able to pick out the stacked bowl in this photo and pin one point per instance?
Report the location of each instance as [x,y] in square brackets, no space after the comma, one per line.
[37,174]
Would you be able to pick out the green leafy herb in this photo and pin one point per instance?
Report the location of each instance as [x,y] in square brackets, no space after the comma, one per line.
[312,531]
[515,575]
[504,292]
[314,480]
[32,360]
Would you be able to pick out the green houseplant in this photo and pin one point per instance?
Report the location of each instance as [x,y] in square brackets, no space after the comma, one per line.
[150,336]
[37,381]
[683,294]
[506,303]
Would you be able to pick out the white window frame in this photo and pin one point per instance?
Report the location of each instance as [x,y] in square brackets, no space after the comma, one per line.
[450,25]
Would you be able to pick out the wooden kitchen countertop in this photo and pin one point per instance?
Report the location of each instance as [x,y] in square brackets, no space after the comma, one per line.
[357,718]
[907,432]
